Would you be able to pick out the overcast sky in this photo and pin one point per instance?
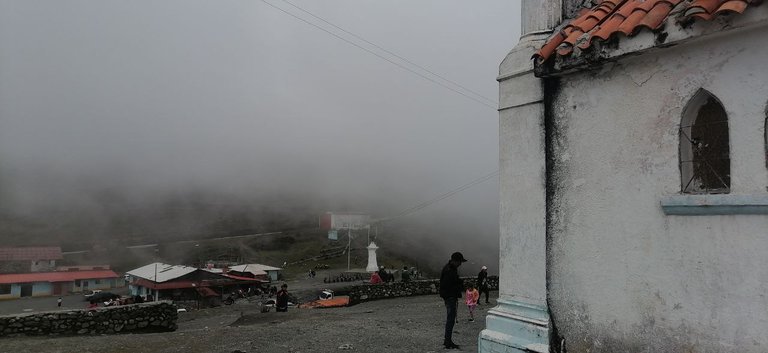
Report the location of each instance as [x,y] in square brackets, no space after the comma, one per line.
[146,96]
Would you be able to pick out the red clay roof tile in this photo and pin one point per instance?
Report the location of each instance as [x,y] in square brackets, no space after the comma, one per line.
[732,6]
[656,15]
[627,17]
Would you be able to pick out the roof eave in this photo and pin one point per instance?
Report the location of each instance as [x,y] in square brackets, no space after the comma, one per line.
[647,41]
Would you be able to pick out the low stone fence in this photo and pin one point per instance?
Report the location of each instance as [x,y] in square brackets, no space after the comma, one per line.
[147,317]
[367,292]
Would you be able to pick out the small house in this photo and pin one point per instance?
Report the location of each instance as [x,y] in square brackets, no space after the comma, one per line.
[40,284]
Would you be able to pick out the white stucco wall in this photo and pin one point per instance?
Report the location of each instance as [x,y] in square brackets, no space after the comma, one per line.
[625,277]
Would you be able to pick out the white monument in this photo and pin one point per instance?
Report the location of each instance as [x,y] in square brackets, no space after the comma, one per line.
[373,266]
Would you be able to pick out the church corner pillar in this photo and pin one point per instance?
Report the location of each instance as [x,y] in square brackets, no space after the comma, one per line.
[520,322]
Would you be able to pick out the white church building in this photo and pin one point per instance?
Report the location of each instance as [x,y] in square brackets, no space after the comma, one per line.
[634,179]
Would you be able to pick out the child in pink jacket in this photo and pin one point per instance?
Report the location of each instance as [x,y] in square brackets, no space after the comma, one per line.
[472,296]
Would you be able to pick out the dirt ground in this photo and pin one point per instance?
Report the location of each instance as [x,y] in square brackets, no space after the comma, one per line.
[413,324]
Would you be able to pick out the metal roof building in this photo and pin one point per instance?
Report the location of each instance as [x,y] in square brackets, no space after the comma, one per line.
[161,272]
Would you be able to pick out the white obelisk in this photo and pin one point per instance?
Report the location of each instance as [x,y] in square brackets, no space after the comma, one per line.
[372,264]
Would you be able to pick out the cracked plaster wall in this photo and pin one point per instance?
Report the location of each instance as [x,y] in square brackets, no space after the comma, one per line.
[625,277]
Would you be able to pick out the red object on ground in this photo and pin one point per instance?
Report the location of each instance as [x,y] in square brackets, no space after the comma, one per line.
[329,303]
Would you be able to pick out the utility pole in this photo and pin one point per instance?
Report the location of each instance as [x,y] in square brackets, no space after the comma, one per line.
[349,246]
[154,297]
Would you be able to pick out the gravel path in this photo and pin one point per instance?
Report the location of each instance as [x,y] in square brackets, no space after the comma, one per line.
[412,324]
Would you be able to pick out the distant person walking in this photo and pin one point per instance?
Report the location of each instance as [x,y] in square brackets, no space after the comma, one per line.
[482,283]
[58,302]
[472,296]
[450,290]
[281,303]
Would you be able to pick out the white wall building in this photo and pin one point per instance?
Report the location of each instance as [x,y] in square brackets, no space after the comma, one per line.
[634,211]
[344,220]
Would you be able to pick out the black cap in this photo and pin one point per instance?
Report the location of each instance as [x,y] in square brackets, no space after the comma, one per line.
[457,256]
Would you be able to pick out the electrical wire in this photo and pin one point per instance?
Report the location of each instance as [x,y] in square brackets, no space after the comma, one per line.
[381,57]
[390,52]
[430,202]
[425,204]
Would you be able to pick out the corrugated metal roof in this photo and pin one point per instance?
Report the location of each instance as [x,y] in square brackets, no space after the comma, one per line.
[164,272]
[256,269]
[239,278]
[31,253]
[65,276]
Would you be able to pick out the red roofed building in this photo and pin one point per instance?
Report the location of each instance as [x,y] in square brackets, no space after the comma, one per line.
[29,259]
[37,284]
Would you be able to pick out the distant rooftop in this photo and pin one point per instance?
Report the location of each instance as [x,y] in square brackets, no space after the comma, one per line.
[161,272]
[31,253]
[64,276]
[255,269]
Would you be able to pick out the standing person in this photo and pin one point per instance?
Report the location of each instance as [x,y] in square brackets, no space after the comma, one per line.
[375,278]
[383,274]
[482,283]
[58,302]
[281,303]
[472,297]
[406,276]
[450,290]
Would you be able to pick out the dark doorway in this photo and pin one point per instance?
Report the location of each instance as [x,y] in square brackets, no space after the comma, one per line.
[57,288]
[26,290]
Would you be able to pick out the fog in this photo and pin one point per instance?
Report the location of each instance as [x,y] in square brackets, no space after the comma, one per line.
[188,118]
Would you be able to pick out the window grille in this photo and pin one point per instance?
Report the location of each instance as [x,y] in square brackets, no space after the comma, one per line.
[705,163]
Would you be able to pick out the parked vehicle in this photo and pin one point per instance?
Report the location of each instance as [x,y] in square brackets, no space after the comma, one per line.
[271,302]
[104,297]
[326,294]
[90,293]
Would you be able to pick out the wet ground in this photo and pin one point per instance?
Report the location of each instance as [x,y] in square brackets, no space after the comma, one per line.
[413,324]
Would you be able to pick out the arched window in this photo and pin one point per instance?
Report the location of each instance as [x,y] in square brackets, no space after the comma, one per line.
[705,163]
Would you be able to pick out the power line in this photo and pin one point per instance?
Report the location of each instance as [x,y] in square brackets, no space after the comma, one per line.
[441,197]
[381,57]
[390,52]
[425,204]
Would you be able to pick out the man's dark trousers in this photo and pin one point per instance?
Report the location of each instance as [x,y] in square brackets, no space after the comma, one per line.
[450,320]
[487,292]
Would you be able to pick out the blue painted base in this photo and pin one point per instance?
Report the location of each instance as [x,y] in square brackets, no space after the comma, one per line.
[514,327]
[720,204]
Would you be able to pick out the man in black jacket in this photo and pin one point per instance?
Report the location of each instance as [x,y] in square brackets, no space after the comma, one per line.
[451,287]
[482,283]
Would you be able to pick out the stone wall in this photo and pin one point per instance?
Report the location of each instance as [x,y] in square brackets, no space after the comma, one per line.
[147,317]
[367,292]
